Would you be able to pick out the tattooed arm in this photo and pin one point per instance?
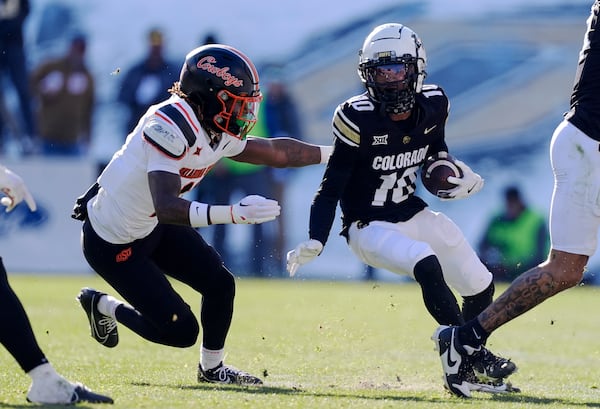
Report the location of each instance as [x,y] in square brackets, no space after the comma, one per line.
[560,272]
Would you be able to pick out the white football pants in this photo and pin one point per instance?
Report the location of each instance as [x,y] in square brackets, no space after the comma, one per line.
[575,208]
[397,247]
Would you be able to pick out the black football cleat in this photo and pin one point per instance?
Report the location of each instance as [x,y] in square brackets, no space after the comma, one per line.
[84,394]
[456,363]
[489,367]
[103,328]
[227,375]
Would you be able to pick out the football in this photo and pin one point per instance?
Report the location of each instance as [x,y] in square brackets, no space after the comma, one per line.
[435,172]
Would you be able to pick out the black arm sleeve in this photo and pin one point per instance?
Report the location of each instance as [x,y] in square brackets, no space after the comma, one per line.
[333,184]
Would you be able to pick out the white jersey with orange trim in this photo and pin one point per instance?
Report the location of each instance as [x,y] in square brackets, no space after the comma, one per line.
[167,138]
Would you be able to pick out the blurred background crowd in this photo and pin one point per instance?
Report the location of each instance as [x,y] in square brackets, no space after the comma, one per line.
[75,76]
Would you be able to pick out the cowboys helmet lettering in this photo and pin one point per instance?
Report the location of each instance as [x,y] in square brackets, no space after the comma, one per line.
[224,84]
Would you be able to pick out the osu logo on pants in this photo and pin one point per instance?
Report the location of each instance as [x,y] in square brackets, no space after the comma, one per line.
[123,255]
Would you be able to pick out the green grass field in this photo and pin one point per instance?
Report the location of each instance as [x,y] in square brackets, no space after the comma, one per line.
[317,345]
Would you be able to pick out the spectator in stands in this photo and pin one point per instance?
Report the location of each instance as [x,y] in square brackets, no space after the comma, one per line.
[229,180]
[64,88]
[515,239]
[147,82]
[235,180]
[210,38]
[13,63]
[281,118]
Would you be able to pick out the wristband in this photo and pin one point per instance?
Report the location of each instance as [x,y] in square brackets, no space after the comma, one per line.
[221,214]
[199,216]
[325,152]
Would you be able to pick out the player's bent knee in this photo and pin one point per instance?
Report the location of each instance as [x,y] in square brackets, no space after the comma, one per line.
[224,283]
[570,278]
[566,269]
[182,331]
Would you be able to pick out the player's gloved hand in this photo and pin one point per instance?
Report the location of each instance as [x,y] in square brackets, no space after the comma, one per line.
[15,190]
[470,183]
[302,254]
[255,209]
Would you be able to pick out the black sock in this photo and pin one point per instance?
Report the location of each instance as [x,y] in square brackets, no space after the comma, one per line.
[437,296]
[474,304]
[472,334]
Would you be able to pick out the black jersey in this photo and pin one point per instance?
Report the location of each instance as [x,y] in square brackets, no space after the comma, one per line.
[585,99]
[376,161]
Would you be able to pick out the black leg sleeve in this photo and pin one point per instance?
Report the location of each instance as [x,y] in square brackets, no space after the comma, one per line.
[217,309]
[439,299]
[474,304]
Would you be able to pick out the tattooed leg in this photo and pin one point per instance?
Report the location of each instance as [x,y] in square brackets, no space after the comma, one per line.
[561,271]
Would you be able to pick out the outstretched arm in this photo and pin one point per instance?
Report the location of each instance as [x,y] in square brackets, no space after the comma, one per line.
[172,209]
[15,190]
[282,152]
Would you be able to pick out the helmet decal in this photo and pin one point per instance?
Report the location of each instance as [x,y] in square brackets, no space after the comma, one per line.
[207,64]
[224,83]
[248,62]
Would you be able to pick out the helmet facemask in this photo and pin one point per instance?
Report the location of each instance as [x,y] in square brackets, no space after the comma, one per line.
[238,115]
[393,84]
[392,65]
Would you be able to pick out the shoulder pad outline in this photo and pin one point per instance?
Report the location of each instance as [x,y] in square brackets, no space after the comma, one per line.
[164,139]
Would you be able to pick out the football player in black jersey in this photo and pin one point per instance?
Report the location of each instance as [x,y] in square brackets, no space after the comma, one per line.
[381,139]
[574,213]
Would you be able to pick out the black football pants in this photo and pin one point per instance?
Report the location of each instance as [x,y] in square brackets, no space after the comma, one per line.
[15,333]
[138,272]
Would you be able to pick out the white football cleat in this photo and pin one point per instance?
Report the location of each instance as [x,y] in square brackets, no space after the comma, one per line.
[54,389]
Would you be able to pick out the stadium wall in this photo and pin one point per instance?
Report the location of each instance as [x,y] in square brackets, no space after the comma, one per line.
[47,240]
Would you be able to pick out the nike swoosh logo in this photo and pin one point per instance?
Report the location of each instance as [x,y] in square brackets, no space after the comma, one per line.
[470,189]
[476,334]
[427,130]
[102,338]
[451,359]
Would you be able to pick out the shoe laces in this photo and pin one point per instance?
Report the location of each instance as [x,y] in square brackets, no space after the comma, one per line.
[489,359]
[223,373]
[108,323]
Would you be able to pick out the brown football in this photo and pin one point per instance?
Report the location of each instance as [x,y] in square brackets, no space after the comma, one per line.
[435,172]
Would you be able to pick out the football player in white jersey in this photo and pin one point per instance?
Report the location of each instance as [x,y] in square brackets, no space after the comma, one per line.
[16,334]
[138,229]
[574,215]
[382,138]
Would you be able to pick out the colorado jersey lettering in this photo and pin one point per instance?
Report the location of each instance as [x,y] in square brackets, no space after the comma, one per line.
[373,169]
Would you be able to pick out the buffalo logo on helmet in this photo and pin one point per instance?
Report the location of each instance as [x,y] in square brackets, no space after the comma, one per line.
[207,64]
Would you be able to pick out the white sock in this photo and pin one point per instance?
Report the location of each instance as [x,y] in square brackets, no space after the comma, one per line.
[48,386]
[43,371]
[107,305]
[210,358]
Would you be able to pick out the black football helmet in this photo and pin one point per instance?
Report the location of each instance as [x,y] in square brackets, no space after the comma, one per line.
[223,82]
[392,65]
